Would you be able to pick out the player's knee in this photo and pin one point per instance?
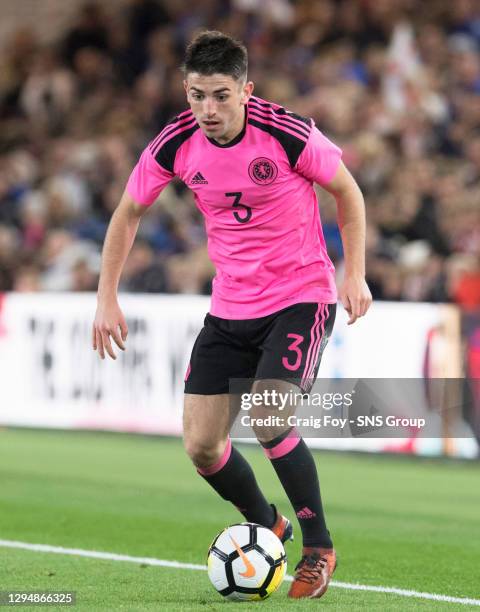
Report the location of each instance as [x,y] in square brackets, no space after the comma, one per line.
[204,453]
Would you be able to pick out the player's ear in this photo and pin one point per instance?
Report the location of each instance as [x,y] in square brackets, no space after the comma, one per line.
[185,86]
[247,91]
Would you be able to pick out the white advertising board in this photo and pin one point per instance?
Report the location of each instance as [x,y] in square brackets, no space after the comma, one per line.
[51,377]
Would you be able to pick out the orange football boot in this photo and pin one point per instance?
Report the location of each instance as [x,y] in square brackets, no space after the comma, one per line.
[282,527]
[313,573]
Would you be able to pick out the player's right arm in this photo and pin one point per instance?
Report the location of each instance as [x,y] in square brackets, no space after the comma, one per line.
[109,319]
[154,170]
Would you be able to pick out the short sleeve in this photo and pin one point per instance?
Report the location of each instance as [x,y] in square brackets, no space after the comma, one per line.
[320,159]
[147,179]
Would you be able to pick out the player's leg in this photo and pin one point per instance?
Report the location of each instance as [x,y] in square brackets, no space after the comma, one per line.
[206,423]
[217,357]
[293,348]
[293,462]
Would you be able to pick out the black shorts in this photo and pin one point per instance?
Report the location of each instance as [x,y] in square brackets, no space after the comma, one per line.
[286,345]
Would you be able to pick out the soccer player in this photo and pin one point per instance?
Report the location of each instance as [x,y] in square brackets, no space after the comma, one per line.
[251,165]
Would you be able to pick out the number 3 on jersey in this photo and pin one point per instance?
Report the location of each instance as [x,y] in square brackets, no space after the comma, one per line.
[246,210]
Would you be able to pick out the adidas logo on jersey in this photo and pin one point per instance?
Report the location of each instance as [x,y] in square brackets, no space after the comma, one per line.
[199,179]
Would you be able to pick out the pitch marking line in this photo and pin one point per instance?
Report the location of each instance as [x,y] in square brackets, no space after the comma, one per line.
[92,554]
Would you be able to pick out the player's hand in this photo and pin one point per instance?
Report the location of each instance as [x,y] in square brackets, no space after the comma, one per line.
[109,323]
[355,297]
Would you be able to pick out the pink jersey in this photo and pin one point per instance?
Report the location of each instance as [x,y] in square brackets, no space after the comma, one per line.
[261,212]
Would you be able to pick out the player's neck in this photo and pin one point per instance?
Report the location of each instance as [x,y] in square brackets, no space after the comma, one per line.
[235,130]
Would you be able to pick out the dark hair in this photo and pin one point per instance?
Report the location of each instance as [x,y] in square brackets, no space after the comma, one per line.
[213,52]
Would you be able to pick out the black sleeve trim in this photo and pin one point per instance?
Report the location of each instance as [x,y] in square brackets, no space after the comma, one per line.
[292,145]
[166,154]
[291,127]
[283,111]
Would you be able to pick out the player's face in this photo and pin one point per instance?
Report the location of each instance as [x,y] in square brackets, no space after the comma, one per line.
[218,103]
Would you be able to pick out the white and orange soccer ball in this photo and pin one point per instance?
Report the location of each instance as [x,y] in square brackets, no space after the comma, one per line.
[246,562]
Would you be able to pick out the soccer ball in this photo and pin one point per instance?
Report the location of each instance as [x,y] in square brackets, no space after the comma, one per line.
[246,562]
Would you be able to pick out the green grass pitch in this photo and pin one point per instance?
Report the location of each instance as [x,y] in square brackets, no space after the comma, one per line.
[396,521]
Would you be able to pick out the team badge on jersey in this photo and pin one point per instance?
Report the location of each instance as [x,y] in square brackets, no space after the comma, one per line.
[262,171]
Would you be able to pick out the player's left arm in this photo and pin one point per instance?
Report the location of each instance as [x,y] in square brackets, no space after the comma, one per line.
[354,292]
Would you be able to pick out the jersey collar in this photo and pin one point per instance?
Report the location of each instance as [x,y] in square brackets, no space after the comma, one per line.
[235,140]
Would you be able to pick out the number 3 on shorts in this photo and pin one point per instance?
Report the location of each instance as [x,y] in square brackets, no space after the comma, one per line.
[294,346]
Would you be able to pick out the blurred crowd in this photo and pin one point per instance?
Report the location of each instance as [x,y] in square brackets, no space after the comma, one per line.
[396,83]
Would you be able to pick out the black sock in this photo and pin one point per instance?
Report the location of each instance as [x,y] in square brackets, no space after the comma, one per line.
[296,469]
[234,480]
